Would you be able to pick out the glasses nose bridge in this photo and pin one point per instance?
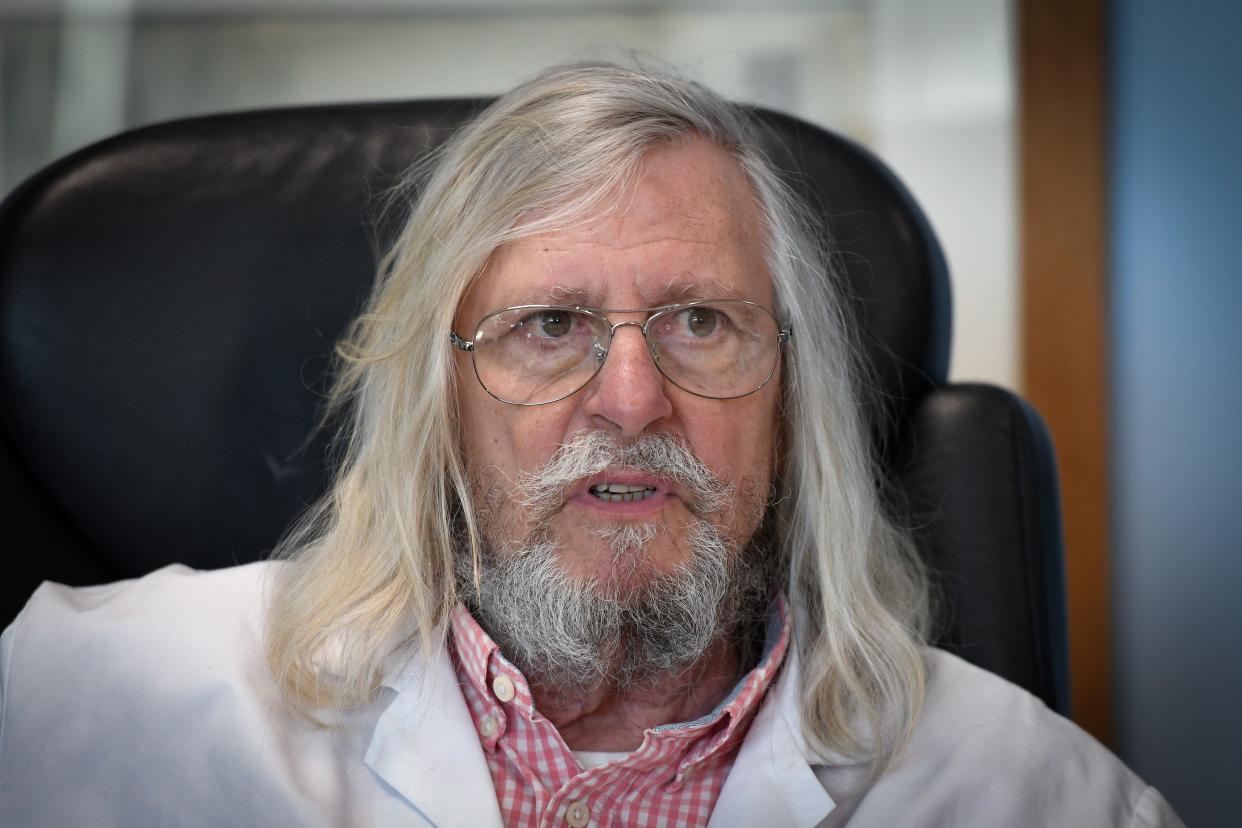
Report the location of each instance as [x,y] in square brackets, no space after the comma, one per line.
[642,329]
[612,327]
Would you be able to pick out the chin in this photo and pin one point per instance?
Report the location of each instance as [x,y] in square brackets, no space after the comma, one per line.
[622,558]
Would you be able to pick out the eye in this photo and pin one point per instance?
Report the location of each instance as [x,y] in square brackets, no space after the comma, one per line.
[552,323]
[701,321]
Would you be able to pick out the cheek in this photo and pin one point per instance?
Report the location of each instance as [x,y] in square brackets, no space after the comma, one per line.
[740,447]
[484,440]
[500,441]
[739,436]
[473,413]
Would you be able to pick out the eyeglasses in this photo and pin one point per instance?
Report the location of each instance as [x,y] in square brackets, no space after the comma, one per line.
[539,354]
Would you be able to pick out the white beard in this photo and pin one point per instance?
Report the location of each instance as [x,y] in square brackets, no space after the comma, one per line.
[575,635]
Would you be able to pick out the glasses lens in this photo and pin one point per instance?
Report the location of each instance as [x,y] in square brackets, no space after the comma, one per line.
[721,349]
[538,354]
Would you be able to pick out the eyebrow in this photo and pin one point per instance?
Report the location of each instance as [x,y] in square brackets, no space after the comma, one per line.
[563,295]
[677,291]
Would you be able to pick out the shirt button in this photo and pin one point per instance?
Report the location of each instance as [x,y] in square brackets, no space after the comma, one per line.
[502,686]
[488,726]
[577,815]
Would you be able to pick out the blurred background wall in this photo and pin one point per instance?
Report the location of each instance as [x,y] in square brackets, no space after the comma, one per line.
[931,86]
[927,86]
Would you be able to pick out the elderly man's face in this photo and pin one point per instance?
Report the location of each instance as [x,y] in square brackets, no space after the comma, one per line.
[691,231]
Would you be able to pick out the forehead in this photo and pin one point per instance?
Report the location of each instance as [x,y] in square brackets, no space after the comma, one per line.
[688,229]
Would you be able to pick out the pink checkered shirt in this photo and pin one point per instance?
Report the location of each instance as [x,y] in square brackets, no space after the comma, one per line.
[673,778]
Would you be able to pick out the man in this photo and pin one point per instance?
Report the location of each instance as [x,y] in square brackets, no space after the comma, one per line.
[603,549]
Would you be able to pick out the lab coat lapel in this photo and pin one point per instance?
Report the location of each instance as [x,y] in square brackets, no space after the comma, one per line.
[772,781]
[424,746]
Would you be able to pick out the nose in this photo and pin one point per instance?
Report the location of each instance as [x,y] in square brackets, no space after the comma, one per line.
[629,393]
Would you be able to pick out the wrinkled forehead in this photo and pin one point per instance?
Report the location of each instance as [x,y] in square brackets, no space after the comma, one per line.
[687,227]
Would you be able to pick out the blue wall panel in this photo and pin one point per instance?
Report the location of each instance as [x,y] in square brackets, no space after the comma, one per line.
[1177,398]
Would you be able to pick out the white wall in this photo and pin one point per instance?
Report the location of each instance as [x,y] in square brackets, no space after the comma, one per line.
[943,115]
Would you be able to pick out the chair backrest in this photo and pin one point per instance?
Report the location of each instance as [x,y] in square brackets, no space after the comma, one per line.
[170,299]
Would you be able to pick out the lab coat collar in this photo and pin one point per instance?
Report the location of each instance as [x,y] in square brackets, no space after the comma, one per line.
[424,746]
[773,781]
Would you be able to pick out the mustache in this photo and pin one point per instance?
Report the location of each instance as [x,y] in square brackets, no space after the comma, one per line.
[541,491]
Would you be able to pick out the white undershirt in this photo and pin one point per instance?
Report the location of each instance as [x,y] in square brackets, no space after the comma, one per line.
[595,758]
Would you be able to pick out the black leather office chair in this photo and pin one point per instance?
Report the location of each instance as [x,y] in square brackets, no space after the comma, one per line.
[170,298]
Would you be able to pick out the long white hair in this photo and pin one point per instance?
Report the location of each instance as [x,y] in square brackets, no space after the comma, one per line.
[372,564]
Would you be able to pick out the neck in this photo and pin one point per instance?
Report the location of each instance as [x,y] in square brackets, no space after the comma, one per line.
[610,718]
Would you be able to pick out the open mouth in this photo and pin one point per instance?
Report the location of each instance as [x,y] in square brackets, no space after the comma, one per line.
[621,492]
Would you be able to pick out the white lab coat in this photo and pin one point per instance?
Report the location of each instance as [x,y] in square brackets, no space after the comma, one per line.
[148,702]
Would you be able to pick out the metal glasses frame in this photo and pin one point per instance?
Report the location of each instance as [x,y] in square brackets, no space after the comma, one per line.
[783,335]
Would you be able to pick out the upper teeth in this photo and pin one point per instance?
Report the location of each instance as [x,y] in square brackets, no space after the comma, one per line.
[621,491]
[618,488]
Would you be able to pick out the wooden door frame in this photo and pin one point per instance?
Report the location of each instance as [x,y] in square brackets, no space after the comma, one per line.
[1065,333]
